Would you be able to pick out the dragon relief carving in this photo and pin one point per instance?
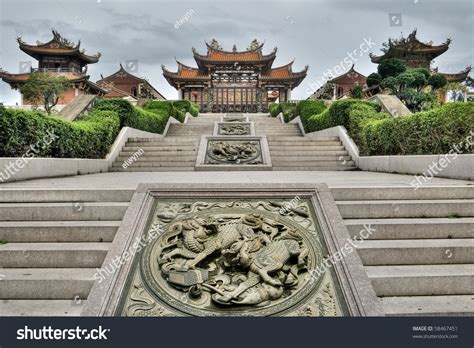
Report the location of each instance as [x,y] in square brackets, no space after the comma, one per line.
[231,257]
[233,152]
[234,129]
[246,260]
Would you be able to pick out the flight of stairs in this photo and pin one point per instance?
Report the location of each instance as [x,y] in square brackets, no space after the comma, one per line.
[51,242]
[289,149]
[420,255]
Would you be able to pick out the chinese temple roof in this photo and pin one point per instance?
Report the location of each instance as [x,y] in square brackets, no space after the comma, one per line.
[15,79]
[456,77]
[57,46]
[184,73]
[397,48]
[108,82]
[351,74]
[217,56]
[284,72]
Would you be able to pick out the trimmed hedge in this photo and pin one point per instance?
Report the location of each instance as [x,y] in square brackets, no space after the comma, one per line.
[436,131]
[90,137]
[151,119]
[337,114]
[274,109]
[307,108]
[289,111]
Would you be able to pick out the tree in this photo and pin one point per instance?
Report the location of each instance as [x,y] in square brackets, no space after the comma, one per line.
[357,92]
[374,79]
[391,67]
[45,88]
[437,81]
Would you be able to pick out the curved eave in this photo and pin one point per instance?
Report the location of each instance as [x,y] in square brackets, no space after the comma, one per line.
[431,52]
[204,60]
[36,52]
[295,79]
[457,77]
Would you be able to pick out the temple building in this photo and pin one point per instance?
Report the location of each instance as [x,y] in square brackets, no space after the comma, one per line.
[123,84]
[234,81]
[417,54]
[58,56]
[340,86]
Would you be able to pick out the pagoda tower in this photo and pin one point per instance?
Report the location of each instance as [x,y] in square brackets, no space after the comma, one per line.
[234,81]
[417,54]
[61,57]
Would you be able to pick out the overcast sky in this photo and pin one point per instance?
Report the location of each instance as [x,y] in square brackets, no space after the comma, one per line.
[316,33]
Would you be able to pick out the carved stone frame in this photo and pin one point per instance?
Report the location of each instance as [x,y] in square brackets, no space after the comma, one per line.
[217,125]
[355,286]
[202,152]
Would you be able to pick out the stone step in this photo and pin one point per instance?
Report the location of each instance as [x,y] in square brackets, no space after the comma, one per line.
[184,132]
[155,163]
[110,211]
[53,255]
[458,305]
[414,228]
[32,195]
[299,141]
[40,308]
[169,148]
[305,147]
[416,251]
[160,158]
[303,168]
[291,153]
[402,193]
[419,280]
[406,208]
[176,142]
[153,169]
[46,283]
[125,155]
[58,231]
[311,163]
[295,157]
[301,138]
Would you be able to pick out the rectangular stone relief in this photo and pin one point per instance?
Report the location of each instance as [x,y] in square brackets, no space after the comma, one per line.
[233,153]
[234,128]
[232,250]
[232,256]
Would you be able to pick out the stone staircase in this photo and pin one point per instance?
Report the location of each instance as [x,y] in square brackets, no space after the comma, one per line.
[51,242]
[420,256]
[289,149]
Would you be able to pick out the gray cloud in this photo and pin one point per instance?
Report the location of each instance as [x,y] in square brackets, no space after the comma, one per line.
[317,33]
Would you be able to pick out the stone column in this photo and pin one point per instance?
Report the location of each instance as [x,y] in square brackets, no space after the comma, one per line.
[180,94]
[288,94]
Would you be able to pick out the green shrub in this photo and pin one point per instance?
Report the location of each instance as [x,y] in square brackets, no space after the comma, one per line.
[274,109]
[195,109]
[436,131]
[124,109]
[288,110]
[307,108]
[337,114]
[152,118]
[89,137]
